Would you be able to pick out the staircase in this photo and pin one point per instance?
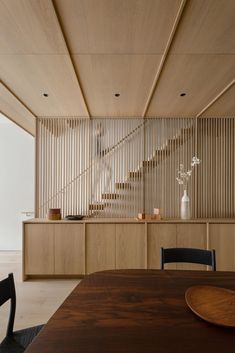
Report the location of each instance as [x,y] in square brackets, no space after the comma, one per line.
[124,195]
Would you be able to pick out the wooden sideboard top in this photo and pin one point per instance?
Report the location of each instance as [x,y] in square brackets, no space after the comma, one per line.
[132,220]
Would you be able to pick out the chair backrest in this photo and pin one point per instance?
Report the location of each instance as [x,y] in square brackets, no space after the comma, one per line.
[7,292]
[189,255]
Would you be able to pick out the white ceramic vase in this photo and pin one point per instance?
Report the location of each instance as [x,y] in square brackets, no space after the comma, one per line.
[185,207]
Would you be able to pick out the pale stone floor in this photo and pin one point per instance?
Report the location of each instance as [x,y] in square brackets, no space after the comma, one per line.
[36,300]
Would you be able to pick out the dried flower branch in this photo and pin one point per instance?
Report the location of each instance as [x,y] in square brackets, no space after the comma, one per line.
[184,176]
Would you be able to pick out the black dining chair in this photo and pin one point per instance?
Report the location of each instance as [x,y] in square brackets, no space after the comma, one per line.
[188,255]
[15,341]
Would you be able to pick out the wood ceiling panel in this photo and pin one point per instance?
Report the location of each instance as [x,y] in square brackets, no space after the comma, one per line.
[104,75]
[224,106]
[201,77]
[30,27]
[208,26]
[117,26]
[29,76]
[15,111]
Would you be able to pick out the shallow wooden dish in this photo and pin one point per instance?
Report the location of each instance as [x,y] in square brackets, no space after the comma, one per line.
[213,304]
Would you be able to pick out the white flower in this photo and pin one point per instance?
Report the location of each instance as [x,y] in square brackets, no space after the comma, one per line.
[184,176]
[195,161]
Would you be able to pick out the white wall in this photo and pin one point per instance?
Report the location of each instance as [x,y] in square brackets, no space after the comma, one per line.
[16,182]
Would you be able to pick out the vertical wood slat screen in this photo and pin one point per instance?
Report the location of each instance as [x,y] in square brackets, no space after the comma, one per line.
[216,175]
[120,167]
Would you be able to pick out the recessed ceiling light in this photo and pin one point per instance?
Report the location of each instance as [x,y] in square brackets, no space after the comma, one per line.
[45,94]
[183,94]
[117,94]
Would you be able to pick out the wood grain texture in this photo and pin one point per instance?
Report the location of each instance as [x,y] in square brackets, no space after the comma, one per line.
[135,311]
[29,76]
[207,27]
[117,27]
[197,76]
[69,249]
[160,235]
[191,237]
[212,304]
[222,239]
[104,75]
[30,27]
[39,249]
[130,246]
[225,105]
[11,107]
[100,247]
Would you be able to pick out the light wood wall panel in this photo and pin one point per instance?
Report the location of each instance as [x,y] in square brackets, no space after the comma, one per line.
[132,26]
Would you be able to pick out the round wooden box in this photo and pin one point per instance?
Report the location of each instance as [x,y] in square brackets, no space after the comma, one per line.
[54,214]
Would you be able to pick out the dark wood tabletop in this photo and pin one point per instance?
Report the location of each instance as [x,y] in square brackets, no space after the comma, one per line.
[135,311]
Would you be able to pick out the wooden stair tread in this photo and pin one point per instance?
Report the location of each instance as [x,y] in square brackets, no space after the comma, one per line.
[123,185]
[110,196]
[96,206]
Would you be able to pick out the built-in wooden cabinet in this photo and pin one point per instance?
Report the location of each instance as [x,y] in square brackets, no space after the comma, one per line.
[54,249]
[222,239]
[39,249]
[66,248]
[158,236]
[130,246]
[69,245]
[100,247]
[191,236]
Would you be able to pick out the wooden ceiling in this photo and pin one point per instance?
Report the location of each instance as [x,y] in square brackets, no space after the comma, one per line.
[82,52]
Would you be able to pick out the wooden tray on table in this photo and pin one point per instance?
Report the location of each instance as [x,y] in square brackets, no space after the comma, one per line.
[213,304]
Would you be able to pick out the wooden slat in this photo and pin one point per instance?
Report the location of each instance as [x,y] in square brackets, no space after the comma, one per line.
[122,179]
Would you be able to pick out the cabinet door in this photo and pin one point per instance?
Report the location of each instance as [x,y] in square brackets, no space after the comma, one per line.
[130,246]
[191,235]
[69,249]
[100,247]
[160,235]
[222,239]
[39,249]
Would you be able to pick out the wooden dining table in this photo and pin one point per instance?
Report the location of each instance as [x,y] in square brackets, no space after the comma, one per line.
[135,311]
